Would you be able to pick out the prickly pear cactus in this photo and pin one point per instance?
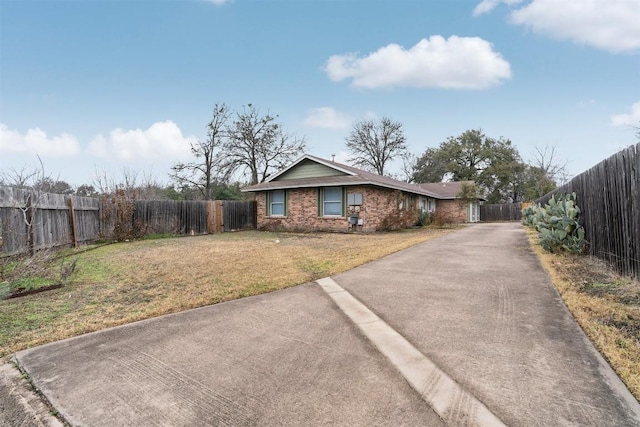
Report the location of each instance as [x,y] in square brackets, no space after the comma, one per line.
[557,224]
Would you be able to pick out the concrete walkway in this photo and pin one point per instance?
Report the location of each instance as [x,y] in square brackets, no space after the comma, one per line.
[475,304]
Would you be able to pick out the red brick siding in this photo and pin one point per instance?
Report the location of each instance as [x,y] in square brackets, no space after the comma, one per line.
[453,210]
[302,209]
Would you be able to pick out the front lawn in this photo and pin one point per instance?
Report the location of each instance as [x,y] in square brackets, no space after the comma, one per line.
[125,282]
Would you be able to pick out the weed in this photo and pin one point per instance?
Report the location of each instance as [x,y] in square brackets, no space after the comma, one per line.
[67,270]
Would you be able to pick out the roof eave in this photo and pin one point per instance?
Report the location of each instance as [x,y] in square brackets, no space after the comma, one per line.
[335,184]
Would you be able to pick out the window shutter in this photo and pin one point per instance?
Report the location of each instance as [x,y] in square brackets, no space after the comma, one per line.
[319,201]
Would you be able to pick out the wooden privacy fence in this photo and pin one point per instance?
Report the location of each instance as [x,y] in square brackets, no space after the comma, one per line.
[501,212]
[240,215]
[608,195]
[60,220]
[195,216]
[172,216]
[31,220]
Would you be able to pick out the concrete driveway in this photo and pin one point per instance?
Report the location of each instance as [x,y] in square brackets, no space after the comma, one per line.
[475,304]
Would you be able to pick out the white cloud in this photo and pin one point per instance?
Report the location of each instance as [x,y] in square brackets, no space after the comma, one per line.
[612,25]
[486,6]
[219,2]
[631,118]
[328,118]
[453,63]
[36,141]
[161,140]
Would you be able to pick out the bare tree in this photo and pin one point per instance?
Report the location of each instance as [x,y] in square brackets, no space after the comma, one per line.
[19,178]
[409,162]
[547,159]
[257,145]
[205,172]
[27,179]
[373,144]
[138,185]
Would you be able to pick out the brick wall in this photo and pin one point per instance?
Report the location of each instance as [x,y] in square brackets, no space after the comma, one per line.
[453,210]
[302,210]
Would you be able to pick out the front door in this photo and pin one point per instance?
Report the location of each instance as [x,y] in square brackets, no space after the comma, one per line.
[473,214]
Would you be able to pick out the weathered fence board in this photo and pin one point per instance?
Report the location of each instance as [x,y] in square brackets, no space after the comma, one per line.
[50,218]
[59,220]
[501,212]
[608,195]
[240,215]
[215,216]
[172,216]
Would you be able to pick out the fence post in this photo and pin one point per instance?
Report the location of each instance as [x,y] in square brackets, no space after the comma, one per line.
[219,216]
[72,222]
[29,216]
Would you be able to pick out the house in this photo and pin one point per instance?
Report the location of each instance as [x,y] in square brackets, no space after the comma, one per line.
[319,194]
[455,210]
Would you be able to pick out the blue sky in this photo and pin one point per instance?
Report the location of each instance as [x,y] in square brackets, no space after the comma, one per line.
[107,85]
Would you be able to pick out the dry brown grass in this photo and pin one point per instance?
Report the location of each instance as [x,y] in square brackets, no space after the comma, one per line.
[605,304]
[125,282]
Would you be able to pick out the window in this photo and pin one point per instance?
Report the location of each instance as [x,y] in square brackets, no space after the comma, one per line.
[276,203]
[331,201]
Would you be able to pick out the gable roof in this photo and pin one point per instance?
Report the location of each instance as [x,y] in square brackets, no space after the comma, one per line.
[348,176]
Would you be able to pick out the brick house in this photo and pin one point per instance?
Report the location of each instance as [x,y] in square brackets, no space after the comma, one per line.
[318,194]
[456,210]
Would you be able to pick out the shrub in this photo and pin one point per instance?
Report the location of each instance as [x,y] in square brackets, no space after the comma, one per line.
[440,219]
[125,226]
[397,219]
[424,218]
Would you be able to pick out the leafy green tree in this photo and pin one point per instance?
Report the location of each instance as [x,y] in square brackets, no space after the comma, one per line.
[86,190]
[535,183]
[431,166]
[50,185]
[493,164]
